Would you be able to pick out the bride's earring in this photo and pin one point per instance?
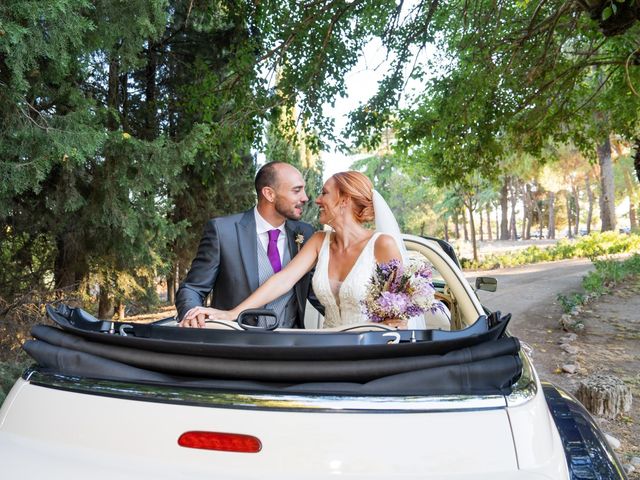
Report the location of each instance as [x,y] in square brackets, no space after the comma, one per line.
[343,207]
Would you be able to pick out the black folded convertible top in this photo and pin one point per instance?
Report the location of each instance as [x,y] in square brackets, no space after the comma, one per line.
[478,360]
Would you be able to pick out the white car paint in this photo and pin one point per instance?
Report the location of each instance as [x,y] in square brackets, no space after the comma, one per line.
[53,433]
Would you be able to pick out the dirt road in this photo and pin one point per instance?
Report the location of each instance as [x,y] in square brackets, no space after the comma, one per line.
[529,291]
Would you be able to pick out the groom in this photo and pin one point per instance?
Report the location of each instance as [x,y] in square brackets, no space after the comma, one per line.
[240,252]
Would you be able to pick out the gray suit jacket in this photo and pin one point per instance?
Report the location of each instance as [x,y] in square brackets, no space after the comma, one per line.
[227,263]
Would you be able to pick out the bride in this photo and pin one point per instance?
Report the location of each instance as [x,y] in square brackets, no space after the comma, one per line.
[344,257]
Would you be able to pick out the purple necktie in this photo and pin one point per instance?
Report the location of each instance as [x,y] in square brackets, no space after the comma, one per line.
[272,250]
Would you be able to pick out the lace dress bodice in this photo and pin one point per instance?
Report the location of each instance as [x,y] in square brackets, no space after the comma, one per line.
[344,308]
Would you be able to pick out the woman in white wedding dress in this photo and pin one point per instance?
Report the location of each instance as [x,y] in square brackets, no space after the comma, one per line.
[345,257]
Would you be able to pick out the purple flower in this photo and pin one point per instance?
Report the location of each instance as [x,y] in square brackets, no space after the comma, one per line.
[389,267]
[393,302]
[394,292]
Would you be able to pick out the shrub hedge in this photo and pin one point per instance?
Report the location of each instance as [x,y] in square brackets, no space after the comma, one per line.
[590,246]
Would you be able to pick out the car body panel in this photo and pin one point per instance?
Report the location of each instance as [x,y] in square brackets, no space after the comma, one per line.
[535,437]
[438,444]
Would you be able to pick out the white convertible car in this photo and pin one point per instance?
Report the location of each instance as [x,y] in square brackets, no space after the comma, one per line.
[110,400]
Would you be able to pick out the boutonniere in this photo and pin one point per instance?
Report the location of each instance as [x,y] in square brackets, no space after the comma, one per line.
[299,240]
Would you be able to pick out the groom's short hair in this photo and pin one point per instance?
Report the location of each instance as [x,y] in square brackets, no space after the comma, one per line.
[267,176]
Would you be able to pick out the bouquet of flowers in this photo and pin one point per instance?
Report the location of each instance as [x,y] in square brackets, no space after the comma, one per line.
[397,293]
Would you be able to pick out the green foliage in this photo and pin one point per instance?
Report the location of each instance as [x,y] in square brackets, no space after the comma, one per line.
[500,77]
[10,371]
[285,143]
[125,125]
[311,46]
[410,198]
[570,303]
[590,246]
[118,137]
[608,273]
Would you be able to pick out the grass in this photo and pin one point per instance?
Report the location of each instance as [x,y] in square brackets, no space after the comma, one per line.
[607,275]
[591,246]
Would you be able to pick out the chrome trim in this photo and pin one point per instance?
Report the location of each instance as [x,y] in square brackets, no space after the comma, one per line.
[526,387]
[264,401]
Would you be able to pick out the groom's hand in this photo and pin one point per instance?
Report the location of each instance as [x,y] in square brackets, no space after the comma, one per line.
[194,318]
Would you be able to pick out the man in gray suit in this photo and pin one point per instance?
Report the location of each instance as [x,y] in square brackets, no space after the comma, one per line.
[240,252]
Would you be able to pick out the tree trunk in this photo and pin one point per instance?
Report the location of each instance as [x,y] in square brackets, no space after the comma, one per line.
[124,92]
[569,229]
[112,93]
[481,227]
[105,303]
[120,308]
[607,199]
[512,218]
[63,277]
[551,196]
[504,206]
[604,395]
[473,231]
[576,208]
[446,228]
[525,213]
[64,271]
[151,123]
[171,287]
[457,225]
[631,190]
[489,232]
[591,202]
[464,225]
[540,219]
[636,158]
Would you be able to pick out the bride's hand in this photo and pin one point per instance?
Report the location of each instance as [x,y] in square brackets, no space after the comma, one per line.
[196,317]
[395,323]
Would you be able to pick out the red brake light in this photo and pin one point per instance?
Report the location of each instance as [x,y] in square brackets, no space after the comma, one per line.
[225,442]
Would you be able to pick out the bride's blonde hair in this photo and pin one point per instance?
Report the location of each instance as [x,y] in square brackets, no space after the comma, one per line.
[359,188]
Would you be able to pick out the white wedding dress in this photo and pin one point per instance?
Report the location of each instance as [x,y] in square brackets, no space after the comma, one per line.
[341,300]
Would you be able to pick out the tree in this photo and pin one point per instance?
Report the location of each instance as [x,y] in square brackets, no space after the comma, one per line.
[99,142]
[625,176]
[516,72]
[287,143]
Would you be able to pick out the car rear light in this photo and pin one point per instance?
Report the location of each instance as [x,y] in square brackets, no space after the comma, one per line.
[225,442]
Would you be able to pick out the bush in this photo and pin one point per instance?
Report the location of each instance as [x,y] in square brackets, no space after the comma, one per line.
[571,302]
[608,273]
[9,373]
[16,320]
[591,246]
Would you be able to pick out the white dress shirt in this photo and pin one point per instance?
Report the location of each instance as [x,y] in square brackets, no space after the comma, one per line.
[262,229]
